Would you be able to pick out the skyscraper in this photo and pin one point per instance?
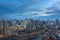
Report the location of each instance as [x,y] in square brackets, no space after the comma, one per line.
[4,26]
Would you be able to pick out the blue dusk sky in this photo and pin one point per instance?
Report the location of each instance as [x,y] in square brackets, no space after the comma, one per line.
[36,9]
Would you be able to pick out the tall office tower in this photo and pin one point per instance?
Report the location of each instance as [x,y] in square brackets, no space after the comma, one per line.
[24,23]
[37,24]
[57,21]
[4,26]
[31,25]
[1,27]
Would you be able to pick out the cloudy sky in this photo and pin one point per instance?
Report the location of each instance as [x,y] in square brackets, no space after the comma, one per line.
[21,9]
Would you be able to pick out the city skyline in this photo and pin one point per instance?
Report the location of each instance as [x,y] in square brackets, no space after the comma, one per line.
[21,9]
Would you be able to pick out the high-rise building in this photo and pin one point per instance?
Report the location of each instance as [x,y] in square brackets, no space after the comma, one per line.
[5,26]
[1,25]
[57,21]
[24,24]
[37,24]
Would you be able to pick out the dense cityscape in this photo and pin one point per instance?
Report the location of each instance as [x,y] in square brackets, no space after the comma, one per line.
[45,30]
[29,19]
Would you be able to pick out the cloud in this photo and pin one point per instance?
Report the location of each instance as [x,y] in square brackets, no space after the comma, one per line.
[15,6]
[44,14]
[55,8]
[55,3]
[11,9]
